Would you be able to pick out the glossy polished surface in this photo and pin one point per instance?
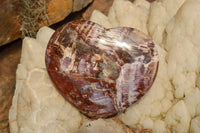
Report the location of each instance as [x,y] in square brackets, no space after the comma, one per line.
[101,71]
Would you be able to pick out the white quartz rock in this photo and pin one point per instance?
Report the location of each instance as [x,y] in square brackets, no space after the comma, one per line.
[32,54]
[100,18]
[161,12]
[101,126]
[119,15]
[195,125]
[192,101]
[43,36]
[182,43]
[178,118]
[37,106]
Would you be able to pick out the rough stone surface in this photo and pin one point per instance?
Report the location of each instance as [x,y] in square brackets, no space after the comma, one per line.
[80,4]
[100,5]
[40,104]
[21,16]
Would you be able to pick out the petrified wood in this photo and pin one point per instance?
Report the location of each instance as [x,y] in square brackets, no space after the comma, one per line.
[101,71]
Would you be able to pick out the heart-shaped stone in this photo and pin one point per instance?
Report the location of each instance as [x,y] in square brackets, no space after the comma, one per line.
[101,71]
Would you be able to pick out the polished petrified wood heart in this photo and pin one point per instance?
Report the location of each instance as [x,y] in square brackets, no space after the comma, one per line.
[101,71]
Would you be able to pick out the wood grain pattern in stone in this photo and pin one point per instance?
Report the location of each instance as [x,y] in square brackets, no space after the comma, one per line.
[101,71]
